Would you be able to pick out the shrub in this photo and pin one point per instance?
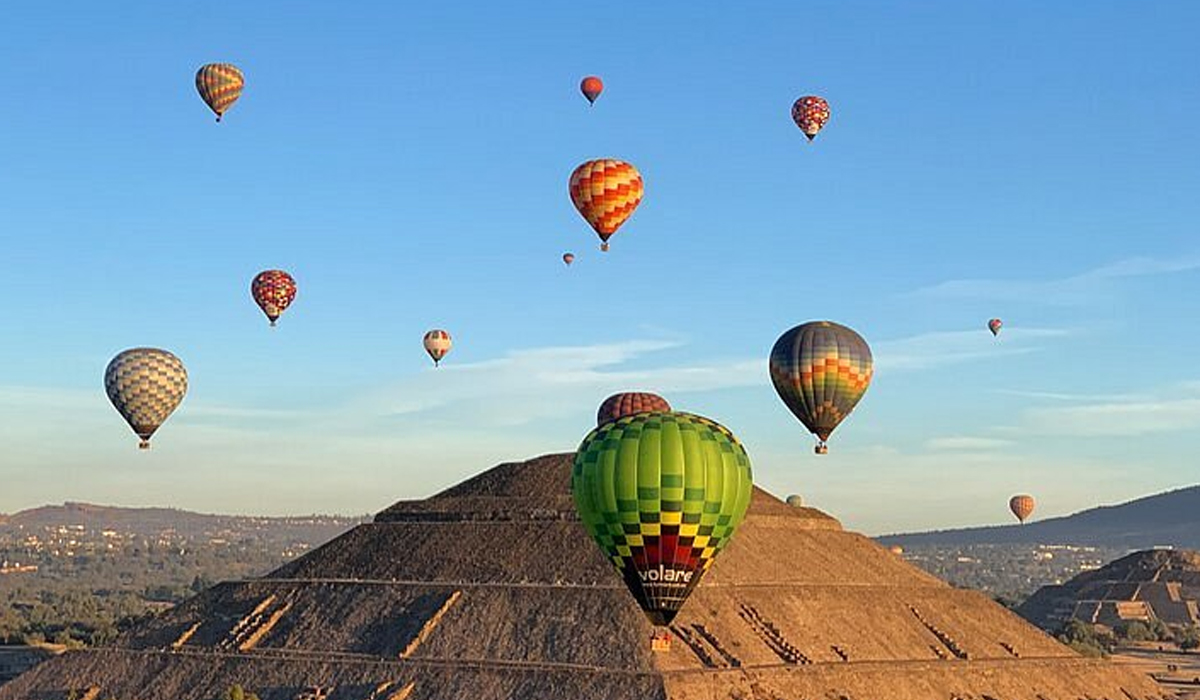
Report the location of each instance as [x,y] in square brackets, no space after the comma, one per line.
[1139,632]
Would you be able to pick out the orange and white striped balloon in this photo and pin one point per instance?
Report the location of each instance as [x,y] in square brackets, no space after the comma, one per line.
[437,344]
[219,85]
[606,192]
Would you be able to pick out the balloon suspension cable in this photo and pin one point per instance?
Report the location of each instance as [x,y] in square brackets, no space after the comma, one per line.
[144,444]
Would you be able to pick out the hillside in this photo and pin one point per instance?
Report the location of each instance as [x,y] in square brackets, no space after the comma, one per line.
[1167,519]
[147,522]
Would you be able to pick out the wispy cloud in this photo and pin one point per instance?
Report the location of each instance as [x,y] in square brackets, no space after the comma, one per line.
[1071,398]
[1074,290]
[943,347]
[1120,419]
[965,443]
[526,385]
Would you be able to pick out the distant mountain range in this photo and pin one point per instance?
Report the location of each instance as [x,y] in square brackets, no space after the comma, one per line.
[1167,519]
[154,521]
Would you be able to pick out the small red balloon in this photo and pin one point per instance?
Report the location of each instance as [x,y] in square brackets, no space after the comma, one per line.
[591,87]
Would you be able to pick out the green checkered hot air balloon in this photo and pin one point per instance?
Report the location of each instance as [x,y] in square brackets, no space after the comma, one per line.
[661,493]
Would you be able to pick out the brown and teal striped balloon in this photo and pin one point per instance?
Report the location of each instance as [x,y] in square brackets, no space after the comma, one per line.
[661,493]
[821,370]
[219,85]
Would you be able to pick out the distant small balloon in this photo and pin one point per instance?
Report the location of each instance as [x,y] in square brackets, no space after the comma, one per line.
[437,344]
[994,326]
[795,501]
[1022,506]
[896,549]
[273,291]
[810,114]
[628,403]
[591,87]
[568,258]
[220,85]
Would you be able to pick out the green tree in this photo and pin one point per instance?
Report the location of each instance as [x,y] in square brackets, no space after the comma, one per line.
[1082,637]
[1161,631]
[1138,632]
[1189,639]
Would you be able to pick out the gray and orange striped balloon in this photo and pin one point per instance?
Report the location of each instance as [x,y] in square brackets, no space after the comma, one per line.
[821,370]
[219,85]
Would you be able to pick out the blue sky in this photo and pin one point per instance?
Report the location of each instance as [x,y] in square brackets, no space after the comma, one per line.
[1028,160]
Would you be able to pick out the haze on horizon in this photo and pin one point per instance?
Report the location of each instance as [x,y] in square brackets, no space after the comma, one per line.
[409,164]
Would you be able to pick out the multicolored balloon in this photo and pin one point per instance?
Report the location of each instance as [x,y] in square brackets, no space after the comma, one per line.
[273,291]
[662,494]
[994,326]
[591,87]
[821,370]
[437,344]
[220,85]
[1022,506]
[628,403]
[606,192]
[145,385]
[568,258]
[810,114]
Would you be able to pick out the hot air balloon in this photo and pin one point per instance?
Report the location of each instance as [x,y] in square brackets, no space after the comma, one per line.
[568,258]
[821,370]
[606,192]
[437,344]
[994,326]
[219,85]
[145,385]
[591,87]
[661,493]
[795,501]
[810,114]
[896,549]
[628,403]
[273,291]
[1022,506]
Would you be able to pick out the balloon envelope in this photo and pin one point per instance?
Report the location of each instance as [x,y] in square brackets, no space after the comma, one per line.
[273,291]
[810,114]
[606,192]
[661,494]
[568,258]
[219,85]
[795,501]
[591,87]
[994,326]
[821,370]
[145,385]
[1022,506]
[628,403]
[437,344]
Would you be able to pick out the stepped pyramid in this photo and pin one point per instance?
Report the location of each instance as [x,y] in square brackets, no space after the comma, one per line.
[492,589]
